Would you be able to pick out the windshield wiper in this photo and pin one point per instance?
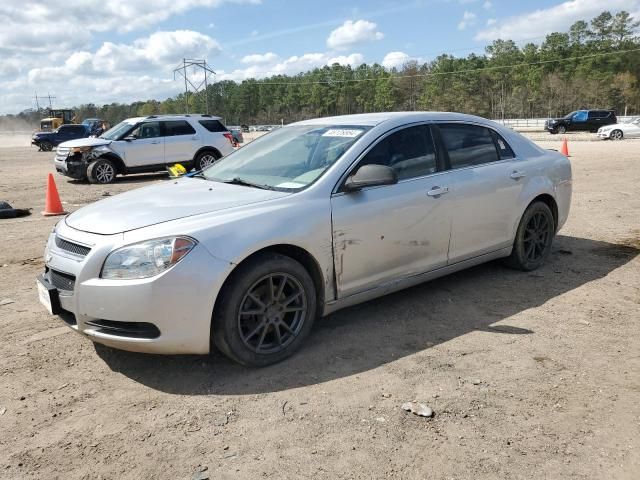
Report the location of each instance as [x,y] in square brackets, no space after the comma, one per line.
[246,183]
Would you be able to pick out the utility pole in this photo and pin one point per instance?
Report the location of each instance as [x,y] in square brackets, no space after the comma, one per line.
[50,97]
[197,65]
[37,103]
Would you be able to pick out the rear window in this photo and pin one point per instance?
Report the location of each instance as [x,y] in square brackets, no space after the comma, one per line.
[178,127]
[468,145]
[213,125]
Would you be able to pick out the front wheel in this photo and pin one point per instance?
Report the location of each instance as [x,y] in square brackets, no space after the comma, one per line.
[46,146]
[101,171]
[616,135]
[561,129]
[265,310]
[534,237]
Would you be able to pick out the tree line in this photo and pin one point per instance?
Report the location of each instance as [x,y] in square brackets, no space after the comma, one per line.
[596,64]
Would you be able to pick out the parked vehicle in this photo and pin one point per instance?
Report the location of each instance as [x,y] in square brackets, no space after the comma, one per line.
[96,126]
[316,216]
[57,117]
[581,121]
[45,141]
[619,131]
[146,144]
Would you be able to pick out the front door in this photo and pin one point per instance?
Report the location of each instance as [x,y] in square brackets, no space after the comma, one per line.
[390,232]
[144,147]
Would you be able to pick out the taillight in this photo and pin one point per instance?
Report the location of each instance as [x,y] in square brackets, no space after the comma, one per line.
[228,137]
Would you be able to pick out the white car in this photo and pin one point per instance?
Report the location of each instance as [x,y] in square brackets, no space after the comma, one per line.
[630,129]
[313,217]
[145,144]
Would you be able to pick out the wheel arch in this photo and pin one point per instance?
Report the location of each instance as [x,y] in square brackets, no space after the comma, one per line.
[119,163]
[302,256]
[550,202]
[207,148]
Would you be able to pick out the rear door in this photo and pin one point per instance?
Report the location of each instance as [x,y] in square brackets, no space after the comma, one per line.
[389,232]
[487,180]
[180,141]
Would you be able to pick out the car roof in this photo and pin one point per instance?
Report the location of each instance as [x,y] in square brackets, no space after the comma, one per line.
[372,119]
[199,116]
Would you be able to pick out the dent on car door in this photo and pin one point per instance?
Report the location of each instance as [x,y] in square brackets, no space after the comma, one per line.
[393,231]
[487,181]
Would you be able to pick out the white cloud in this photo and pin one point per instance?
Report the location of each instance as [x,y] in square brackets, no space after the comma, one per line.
[269,57]
[468,19]
[487,5]
[491,21]
[553,19]
[395,59]
[351,33]
[352,60]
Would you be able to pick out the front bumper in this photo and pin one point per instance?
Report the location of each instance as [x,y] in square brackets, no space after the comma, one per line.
[168,314]
[603,135]
[74,166]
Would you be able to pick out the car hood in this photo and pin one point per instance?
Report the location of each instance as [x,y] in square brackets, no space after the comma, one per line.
[85,142]
[161,203]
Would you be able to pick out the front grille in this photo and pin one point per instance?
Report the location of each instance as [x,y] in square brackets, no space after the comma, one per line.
[125,329]
[62,281]
[74,248]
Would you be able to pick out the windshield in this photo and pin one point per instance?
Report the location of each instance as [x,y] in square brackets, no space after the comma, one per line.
[286,159]
[116,132]
[570,115]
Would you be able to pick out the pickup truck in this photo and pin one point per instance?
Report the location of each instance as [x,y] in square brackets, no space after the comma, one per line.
[45,141]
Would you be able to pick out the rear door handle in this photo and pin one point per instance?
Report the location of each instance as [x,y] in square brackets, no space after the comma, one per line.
[437,191]
[155,143]
[516,175]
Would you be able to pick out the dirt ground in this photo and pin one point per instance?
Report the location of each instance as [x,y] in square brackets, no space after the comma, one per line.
[531,375]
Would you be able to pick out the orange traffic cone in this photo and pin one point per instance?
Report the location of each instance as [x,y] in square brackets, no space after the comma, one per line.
[565,148]
[52,204]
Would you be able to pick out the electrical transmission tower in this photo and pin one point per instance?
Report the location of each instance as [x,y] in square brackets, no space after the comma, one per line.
[199,66]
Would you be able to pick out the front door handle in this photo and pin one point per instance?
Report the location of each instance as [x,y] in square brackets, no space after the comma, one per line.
[516,175]
[437,191]
[155,143]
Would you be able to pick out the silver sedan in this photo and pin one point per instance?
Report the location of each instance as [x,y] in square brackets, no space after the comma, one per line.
[313,217]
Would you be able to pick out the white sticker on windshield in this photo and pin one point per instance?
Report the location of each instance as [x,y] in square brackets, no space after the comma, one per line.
[341,132]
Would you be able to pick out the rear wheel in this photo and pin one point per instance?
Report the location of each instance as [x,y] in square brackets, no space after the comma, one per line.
[46,146]
[101,171]
[204,159]
[616,135]
[265,310]
[534,237]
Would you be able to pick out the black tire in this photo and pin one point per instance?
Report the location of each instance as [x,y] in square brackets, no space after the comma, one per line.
[102,171]
[616,134]
[206,158]
[46,146]
[561,129]
[534,237]
[259,338]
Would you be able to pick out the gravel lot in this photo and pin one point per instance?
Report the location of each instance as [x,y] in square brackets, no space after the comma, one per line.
[531,375]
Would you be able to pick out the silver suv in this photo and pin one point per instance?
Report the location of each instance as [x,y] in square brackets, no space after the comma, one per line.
[145,144]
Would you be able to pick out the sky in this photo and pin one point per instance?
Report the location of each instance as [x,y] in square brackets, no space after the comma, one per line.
[104,51]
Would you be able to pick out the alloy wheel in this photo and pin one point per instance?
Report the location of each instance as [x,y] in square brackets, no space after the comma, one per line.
[206,160]
[272,313]
[537,234]
[105,173]
[616,135]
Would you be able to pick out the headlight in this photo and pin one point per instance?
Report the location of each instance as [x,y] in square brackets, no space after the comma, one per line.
[80,149]
[146,259]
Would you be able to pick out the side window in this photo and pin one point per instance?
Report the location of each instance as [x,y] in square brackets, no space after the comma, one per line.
[178,127]
[580,116]
[409,152]
[504,150]
[468,145]
[146,130]
[213,125]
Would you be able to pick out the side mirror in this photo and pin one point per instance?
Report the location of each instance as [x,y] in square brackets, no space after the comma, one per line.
[370,176]
[129,138]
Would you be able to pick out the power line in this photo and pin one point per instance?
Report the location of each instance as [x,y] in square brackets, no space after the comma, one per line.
[457,72]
